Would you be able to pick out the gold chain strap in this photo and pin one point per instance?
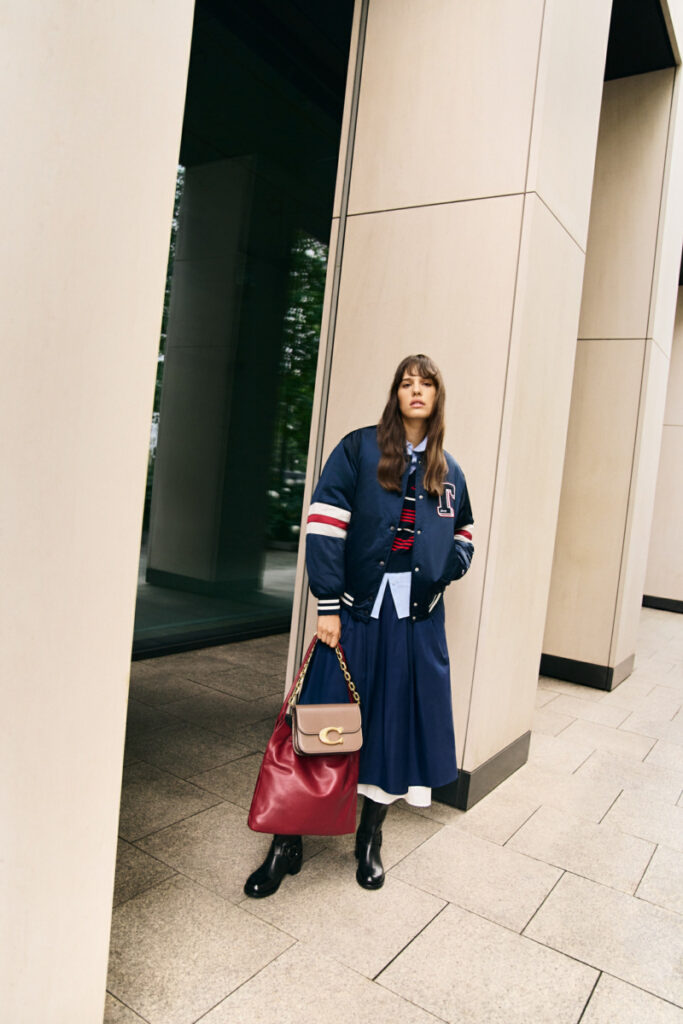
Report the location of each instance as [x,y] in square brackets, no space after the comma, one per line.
[347,675]
[302,675]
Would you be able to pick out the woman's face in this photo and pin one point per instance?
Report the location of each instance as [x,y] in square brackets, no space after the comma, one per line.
[416,396]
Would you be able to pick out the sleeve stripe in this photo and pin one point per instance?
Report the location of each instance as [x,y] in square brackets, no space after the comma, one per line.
[320,508]
[464,533]
[326,530]
[330,520]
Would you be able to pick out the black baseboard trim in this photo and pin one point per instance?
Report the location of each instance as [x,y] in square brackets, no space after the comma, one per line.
[600,677]
[665,604]
[158,647]
[470,787]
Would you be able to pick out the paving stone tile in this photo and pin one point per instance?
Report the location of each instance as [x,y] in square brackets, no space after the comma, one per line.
[497,816]
[640,814]
[666,755]
[549,721]
[305,987]
[158,687]
[234,781]
[370,928]
[606,738]
[402,833]
[544,697]
[590,711]
[443,813]
[245,682]
[633,775]
[221,713]
[142,719]
[673,680]
[661,702]
[177,950]
[619,934]
[136,871]
[640,722]
[467,970]
[633,690]
[600,852]
[493,881]
[586,798]
[151,799]
[557,754]
[256,736]
[215,848]
[116,1013]
[663,881]
[615,1002]
[570,689]
[184,749]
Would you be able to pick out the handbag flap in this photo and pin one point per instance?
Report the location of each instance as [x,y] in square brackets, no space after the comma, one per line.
[339,719]
[327,729]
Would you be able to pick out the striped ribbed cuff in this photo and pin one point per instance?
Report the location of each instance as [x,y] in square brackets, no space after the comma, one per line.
[328,606]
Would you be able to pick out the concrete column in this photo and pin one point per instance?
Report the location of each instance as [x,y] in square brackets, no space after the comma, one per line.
[619,388]
[460,228]
[220,380]
[92,103]
[664,577]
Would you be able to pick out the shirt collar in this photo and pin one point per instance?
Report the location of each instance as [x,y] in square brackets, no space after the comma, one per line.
[418,448]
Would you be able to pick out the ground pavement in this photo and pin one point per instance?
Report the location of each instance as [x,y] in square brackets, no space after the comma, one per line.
[557,899]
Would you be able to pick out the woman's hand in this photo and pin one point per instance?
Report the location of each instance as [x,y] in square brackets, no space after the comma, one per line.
[329,629]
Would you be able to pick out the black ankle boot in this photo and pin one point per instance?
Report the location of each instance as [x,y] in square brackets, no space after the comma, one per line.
[283,858]
[370,873]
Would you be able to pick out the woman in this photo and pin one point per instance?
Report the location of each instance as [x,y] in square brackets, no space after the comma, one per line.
[389,527]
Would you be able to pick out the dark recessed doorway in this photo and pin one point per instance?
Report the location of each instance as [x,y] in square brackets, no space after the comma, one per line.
[243,304]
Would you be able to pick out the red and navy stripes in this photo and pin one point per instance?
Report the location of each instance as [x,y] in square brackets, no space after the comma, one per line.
[401,549]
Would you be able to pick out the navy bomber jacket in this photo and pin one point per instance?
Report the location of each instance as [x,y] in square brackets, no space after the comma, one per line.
[352,522]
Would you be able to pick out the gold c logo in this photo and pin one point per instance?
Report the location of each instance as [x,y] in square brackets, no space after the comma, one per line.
[322,735]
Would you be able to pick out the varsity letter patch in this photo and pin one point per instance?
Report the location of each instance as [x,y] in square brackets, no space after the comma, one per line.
[445,506]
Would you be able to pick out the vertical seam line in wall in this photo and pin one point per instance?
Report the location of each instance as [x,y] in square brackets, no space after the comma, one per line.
[629,511]
[665,173]
[639,417]
[495,475]
[334,299]
[533,101]
[505,385]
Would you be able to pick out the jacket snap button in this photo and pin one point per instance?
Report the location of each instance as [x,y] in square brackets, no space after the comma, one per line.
[414,604]
[421,497]
[392,527]
[413,618]
[381,563]
[417,568]
[419,531]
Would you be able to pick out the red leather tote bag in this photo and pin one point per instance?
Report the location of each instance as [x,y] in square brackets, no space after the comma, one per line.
[301,795]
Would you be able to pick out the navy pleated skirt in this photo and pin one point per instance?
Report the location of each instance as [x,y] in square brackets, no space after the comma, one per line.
[402,673]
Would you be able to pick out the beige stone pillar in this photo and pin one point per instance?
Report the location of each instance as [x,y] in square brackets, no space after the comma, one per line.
[622,365]
[664,577]
[92,102]
[461,222]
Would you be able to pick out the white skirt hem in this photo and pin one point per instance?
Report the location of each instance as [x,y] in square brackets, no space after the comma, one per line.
[417,796]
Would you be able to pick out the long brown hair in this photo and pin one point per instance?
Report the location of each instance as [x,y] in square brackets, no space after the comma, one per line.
[391,435]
